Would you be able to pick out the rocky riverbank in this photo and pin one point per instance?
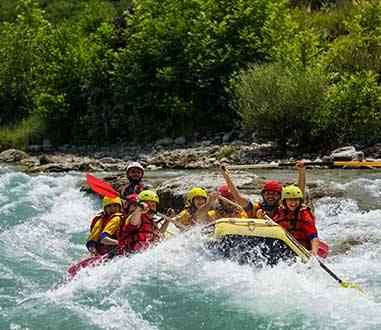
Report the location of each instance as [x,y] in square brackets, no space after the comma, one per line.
[173,191]
[206,156]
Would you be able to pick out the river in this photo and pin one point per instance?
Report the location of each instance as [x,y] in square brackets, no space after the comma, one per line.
[44,224]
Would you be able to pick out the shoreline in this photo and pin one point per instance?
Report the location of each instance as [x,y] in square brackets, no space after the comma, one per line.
[202,156]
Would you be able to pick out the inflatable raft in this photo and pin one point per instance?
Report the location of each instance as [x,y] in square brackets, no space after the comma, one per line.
[257,241]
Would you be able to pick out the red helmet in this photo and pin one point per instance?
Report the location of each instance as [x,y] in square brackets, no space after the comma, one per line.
[225,192]
[272,186]
[127,203]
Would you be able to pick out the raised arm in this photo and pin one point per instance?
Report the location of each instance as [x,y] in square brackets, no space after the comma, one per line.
[300,166]
[238,197]
[202,212]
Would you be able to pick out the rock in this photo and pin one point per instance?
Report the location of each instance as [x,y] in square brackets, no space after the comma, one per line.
[13,155]
[107,160]
[164,142]
[173,193]
[226,137]
[180,140]
[34,148]
[44,159]
[348,153]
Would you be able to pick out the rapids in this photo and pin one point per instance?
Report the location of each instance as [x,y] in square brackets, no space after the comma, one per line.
[44,222]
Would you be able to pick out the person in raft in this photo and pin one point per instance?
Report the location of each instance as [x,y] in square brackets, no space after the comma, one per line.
[141,229]
[297,218]
[271,194]
[222,210]
[134,175]
[196,198]
[103,228]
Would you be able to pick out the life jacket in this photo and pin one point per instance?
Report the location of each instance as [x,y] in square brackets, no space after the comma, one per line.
[295,222]
[224,212]
[141,238]
[101,216]
[132,189]
[255,206]
[270,211]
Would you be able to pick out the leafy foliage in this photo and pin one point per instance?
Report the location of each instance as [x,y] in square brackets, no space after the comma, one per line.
[279,103]
[306,73]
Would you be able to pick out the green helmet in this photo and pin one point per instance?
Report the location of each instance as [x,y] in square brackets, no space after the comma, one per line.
[148,195]
[292,192]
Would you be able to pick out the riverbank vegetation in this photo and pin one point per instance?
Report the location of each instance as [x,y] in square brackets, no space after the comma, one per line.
[303,73]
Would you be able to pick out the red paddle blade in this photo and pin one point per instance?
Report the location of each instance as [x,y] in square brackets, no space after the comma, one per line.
[73,270]
[101,187]
[323,250]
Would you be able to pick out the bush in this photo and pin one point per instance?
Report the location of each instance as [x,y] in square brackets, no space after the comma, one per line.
[352,113]
[279,103]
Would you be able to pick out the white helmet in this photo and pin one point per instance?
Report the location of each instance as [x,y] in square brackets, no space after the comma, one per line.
[134,165]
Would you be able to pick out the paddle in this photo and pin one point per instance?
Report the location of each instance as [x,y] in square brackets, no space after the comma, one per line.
[329,163]
[94,260]
[103,188]
[323,247]
[344,284]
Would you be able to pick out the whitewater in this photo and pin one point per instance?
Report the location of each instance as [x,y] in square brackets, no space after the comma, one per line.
[44,222]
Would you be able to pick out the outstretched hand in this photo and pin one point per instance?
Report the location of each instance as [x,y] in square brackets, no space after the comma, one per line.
[224,170]
[300,165]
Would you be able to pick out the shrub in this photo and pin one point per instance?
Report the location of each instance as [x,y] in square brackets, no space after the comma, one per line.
[352,113]
[279,103]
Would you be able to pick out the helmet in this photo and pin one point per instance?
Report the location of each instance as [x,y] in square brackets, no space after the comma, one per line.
[148,195]
[225,192]
[272,186]
[292,192]
[196,192]
[127,203]
[134,165]
[108,201]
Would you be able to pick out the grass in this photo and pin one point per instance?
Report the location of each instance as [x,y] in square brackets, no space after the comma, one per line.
[20,135]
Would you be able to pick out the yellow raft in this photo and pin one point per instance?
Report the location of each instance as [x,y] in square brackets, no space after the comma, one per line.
[257,241]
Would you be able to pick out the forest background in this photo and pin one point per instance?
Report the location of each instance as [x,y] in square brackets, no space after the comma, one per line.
[300,73]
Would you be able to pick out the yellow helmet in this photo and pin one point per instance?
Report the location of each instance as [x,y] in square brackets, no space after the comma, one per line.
[292,192]
[108,201]
[148,195]
[196,192]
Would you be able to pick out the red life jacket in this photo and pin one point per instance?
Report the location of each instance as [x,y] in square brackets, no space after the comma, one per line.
[101,216]
[294,222]
[141,238]
[132,189]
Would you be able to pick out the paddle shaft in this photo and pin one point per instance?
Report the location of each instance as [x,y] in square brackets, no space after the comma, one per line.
[227,200]
[308,253]
[162,215]
[330,163]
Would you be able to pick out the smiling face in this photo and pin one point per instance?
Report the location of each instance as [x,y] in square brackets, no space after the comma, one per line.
[292,203]
[271,198]
[112,208]
[198,201]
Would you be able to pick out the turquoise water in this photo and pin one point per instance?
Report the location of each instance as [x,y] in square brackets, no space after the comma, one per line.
[44,222]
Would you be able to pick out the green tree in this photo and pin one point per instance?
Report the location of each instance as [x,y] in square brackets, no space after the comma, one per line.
[20,53]
[175,69]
